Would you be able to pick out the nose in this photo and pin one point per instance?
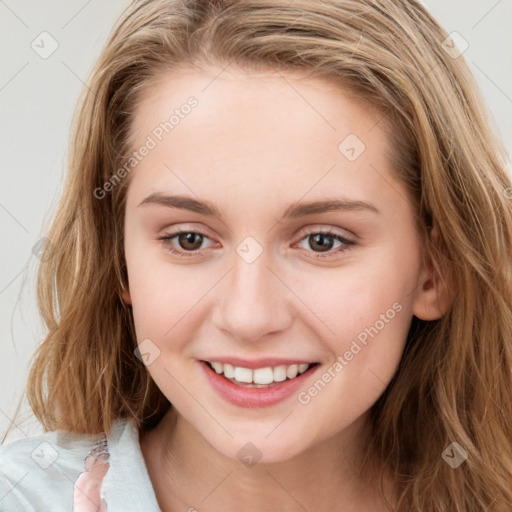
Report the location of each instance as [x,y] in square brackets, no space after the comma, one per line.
[254,301]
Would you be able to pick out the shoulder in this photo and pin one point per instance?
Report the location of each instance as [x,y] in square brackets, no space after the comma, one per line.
[39,472]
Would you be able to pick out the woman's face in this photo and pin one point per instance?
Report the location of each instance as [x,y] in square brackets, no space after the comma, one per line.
[300,247]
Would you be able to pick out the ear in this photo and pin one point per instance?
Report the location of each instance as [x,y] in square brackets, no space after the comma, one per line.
[126,296]
[433,296]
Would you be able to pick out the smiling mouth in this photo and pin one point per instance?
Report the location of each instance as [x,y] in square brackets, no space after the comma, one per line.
[265,377]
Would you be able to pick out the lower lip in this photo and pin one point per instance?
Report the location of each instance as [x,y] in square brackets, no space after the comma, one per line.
[254,397]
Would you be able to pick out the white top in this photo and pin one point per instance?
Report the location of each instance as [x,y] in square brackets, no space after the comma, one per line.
[61,472]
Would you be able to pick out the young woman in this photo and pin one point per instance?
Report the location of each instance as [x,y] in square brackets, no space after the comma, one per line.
[280,275]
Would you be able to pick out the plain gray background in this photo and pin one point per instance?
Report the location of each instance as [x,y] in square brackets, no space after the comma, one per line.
[38,96]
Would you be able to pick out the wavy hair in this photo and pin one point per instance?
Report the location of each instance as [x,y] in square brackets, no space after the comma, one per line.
[454,381]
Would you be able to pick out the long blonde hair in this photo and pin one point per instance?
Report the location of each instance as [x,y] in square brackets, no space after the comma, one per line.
[454,382]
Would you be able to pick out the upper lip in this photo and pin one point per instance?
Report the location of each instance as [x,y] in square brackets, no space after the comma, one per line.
[257,363]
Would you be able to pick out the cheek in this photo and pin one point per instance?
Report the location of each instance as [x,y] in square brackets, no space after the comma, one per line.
[361,300]
[368,311]
[159,302]
[370,317]
[167,299]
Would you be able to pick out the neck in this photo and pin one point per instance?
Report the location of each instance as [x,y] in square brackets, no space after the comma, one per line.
[189,474]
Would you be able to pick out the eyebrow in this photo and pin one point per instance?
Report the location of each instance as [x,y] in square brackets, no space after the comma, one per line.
[293,211]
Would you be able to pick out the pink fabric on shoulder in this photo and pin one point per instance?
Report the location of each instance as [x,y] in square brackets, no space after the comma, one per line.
[86,491]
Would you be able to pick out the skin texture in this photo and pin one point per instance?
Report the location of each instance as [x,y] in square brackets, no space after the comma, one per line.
[254,144]
[86,490]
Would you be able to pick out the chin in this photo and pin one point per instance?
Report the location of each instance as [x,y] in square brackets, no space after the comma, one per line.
[259,447]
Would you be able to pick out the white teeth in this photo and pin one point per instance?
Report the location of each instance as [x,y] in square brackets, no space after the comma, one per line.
[217,367]
[243,374]
[263,375]
[303,367]
[228,370]
[280,373]
[291,372]
[260,376]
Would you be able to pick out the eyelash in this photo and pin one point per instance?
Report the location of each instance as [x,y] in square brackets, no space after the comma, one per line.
[348,243]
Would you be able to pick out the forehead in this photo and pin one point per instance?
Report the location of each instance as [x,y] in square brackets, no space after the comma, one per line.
[284,130]
[265,94]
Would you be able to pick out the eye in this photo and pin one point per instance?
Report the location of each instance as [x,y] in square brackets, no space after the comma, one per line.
[191,241]
[324,241]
